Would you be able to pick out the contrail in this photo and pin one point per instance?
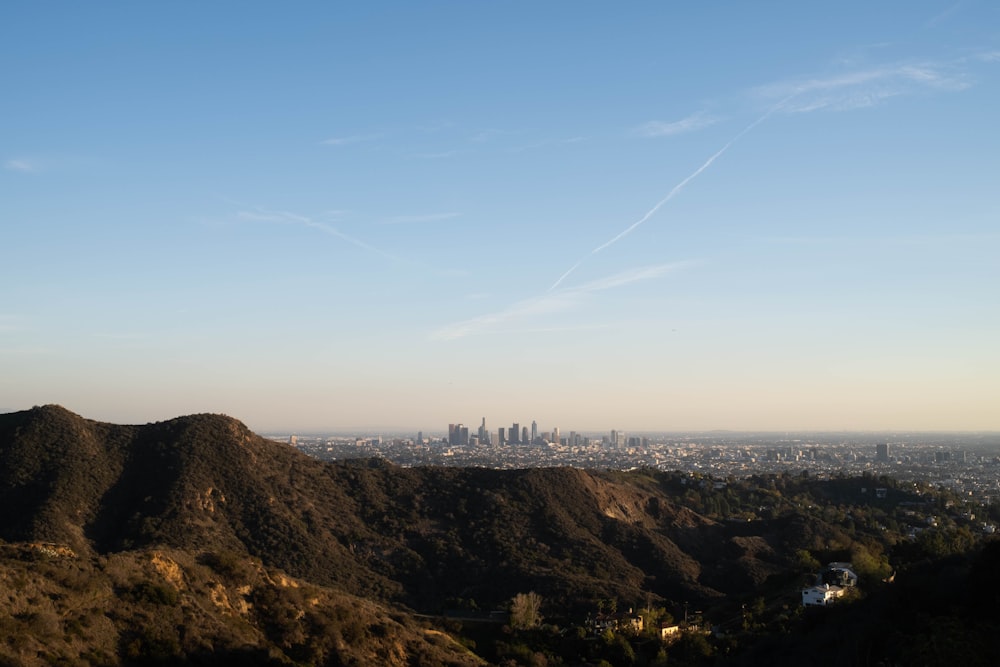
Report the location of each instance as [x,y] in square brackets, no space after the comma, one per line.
[286,217]
[670,195]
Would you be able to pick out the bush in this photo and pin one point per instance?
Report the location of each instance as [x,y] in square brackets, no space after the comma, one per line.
[229,564]
[154,594]
[525,611]
[146,646]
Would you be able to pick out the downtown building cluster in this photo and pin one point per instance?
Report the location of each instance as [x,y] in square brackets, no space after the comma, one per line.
[461,436]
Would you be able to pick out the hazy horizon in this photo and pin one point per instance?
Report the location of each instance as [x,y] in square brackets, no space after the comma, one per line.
[437,430]
[654,217]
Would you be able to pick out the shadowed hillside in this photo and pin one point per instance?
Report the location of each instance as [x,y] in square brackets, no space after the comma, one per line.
[196,541]
[423,537]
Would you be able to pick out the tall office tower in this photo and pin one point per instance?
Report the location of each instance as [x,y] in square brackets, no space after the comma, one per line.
[514,435]
[451,434]
[882,452]
[464,436]
[420,437]
[524,436]
[483,435]
[501,440]
[555,434]
[534,430]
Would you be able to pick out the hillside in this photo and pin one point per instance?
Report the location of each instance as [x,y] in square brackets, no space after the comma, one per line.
[421,537]
[196,540]
[173,607]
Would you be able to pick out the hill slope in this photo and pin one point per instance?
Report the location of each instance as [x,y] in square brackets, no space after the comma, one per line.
[196,539]
[424,537]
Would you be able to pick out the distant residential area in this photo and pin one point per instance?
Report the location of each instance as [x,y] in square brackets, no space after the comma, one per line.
[967,464]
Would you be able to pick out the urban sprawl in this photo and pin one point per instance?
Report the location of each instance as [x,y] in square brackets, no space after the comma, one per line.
[967,463]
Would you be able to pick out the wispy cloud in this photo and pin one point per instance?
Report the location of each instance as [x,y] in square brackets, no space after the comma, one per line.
[847,90]
[670,195]
[441,155]
[415,219]
[287,218]
[987,57]
[694,122]
[939,18]
[566,299]
[20,165]
[956,238]
[490,134]
[567,329]
[548,142]
[352,139]
[856,55]
[867,87]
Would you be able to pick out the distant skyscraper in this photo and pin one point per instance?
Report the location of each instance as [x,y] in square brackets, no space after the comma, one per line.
[420,437]
[501,439]
[515,434]
[524,436]
[555,435]
[534,430]
[882,452]
[617,440]
[484,436]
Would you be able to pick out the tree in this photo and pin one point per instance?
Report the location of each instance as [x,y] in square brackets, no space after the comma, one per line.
[806,562]
[870,564]
[652,618]
[525,611]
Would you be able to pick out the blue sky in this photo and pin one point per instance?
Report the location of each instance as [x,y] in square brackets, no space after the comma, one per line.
[641,216]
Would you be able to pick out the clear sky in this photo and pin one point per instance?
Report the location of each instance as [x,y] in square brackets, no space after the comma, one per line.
[643,215]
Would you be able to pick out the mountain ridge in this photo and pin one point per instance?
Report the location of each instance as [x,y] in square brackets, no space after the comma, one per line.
[206,482]
[209,491]
[196,541]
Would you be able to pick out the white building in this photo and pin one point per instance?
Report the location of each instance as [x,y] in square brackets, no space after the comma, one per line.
[821,595]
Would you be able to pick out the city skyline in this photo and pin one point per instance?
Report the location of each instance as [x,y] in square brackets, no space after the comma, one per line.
[515,434]
[446,433]
[383,216]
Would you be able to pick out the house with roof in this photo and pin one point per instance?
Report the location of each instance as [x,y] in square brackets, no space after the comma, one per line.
[820,596]
[838,574]
[617,622]
[831,583]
